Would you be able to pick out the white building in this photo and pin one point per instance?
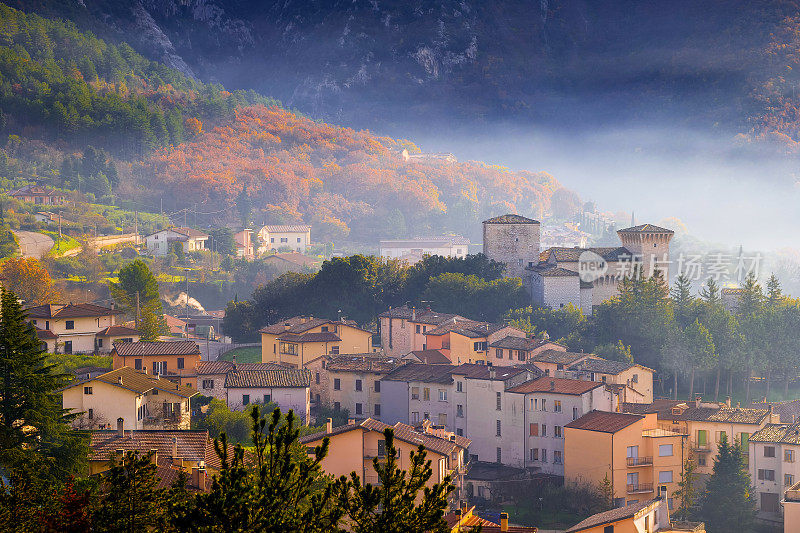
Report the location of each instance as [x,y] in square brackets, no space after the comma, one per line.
[414,250]
[294,237]
[289,388]
[159,243]
[774,462]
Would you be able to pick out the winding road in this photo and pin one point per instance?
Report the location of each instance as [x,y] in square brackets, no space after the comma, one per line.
[33,244]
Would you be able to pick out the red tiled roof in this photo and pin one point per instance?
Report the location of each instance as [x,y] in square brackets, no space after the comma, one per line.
[608,517]
[138,382]
[70,311]
[45,334]
[574,387]
[374,363]
[291,228]
[115,331]
[192,444]
[431,357]
[604,422]
[321,336]
[223,367]
[157,348]
[285,378]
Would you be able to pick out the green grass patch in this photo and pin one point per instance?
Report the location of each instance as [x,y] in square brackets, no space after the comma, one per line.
[65,363]
[245,354]
[65,244]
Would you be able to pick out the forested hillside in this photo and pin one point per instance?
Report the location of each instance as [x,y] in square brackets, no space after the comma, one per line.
[88,115]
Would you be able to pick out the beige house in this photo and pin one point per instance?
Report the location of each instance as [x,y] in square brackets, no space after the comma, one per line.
[74,328]
[648,516]
[142,401]
[38,194]
[211,375]
[791,509]
[289,388]
[159,243]
[351,382]
[774,466]
[273,237]
[554,362]
[244,244]
[636,377]
[403,329]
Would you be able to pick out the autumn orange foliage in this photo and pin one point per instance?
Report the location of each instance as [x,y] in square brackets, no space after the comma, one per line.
[337,178]
[29,280]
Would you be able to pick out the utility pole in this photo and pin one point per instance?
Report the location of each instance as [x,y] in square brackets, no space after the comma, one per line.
[186,307]
[137,309]
[161,208]
[136,222]
[184,217]
[59,230]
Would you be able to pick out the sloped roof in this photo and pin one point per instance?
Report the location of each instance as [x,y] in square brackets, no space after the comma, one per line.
[294,258]
[559,357]
[502,373]
[192,444]
[789,411]
[157,348]
[519,343]
[468,328]
[223,367]
[36,190]
[572,255]
[363,363]
[608,517]
[289,228]
[572,387]
[601,366]
[190,232]
[44,334]
[422,316]
[115,331]
[645,228]
[70,311]
[138,382]
[321,336]
[729,415]
[549,270]
[510,219]
[604,422]
[421,372]
[431,357]
[256,379]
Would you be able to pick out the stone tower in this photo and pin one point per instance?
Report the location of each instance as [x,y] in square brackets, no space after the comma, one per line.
[513,240]
[651,245]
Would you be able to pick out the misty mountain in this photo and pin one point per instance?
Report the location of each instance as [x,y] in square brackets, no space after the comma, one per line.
[391,63]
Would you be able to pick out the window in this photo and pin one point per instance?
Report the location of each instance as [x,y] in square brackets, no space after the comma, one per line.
[272,239]
[377,409]
[460,411]
[574,413]
[337,406]
[498,353]
[744,442]
[442,395]
[415,393]
[426,416]
[702,437]
[499,455]
[459,386]
[67,347]
[298,239]
[381,448]
[544,430]
[288,348]
[556,406]
[70,324]
[498,401]
[788,479]
[665,476]
[90,414]
[154,392]
[267,398]
[426,394]
[701,460]
[99,343]
[377,386]
[479,346]
[498,428]
[544,404]
[766,475]
[558,432]
[534,454]
[245,399]
[208,384]
[334,350]
[544,455]
[337,384]
[665,450]
[418,329]
[769,451]
[534,430]
[180,363]
[608,529]
[87,390]
[521,355]
[359,409]
[788,456]
[137,364]
[316,378]
[284,239]
[415,417]
[721,434]
[358,384]
[442,419]
[557,458]
[324,328]
[459,432]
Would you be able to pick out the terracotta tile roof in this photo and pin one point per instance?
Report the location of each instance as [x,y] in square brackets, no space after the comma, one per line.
[257,379]
[728,415]
[466,327]
[189,233]
[115,331]
[294,258]
[502,373]
[559,357]
[421,372]
[572,255]
[601,366]
[548,270]
[519,343]
[70,311]
[36,190]
[290,228]
[193,445]
[223,367]
[322,336]
[510,219]
[422,316]
[157,348]
[645,228]
[661,406]
[608,517]
[363,363]
[296,324]
[573,387]
[603,421]
[167,476]
[431,357]
[778,433]
[138,382]
[789,411]
[44,334]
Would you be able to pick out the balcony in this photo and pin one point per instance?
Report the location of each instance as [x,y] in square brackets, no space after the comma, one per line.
[702,448]
[641,488]
[640,461]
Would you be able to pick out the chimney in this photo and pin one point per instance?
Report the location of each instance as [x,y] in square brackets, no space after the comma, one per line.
[351,421]
[727,401]
[233,360]
[463,507]
[119,380]
[199,477]
[329,425]
[175,460]
[552,385]
[413,314]
[452,438]
[503,521]
[120,425]
[491,372]
[154,457]
[458,516]
[697,400]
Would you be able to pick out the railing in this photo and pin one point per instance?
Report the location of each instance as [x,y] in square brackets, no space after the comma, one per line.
[641,487]
[702,447]
[640,461]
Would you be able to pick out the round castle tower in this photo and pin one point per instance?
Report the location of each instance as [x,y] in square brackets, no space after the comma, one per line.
[513,240]
[651,244]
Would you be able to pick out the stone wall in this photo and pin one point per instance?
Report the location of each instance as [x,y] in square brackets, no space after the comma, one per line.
[516,245]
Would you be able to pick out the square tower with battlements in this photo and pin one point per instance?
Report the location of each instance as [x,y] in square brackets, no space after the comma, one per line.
[651,245]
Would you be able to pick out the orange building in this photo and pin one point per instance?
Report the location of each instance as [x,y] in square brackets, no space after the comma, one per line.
[296,341]
[355,445]
[630,450]
[464,519]
[467,341]
[165,358]
[649,516]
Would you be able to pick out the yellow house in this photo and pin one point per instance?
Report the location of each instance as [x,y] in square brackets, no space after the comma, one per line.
[464,519]
[140,400]
[298,340]
[164,358]
[555,361]
[630,450]
[467,341]
[637,377]
[355,445]
[791,509]
[649,516]
[73,328]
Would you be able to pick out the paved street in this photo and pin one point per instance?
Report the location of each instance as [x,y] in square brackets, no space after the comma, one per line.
[33,244]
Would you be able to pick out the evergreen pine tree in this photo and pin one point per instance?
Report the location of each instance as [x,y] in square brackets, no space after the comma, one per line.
[728,503]
[687,493]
